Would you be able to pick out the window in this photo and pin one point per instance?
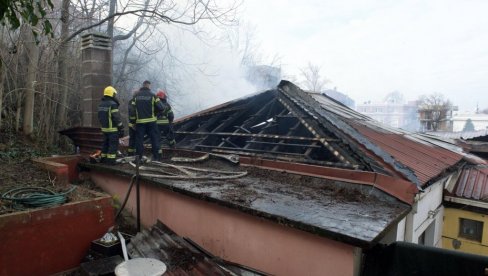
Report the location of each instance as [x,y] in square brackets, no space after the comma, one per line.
[470,229]
[422,239]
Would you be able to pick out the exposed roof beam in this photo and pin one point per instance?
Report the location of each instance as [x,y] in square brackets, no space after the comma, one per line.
[257,135]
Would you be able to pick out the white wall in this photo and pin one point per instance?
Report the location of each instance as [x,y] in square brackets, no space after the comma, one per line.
[427,211]
[426,215]
[480,122]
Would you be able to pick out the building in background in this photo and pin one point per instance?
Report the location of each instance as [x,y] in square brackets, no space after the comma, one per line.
[340,97]
[436,118]
[393,111]
[461,120]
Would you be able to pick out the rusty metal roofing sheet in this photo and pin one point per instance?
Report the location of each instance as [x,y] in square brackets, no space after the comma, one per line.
[424,156]
[87,139]
[181,258]
[472,184]
[426,161]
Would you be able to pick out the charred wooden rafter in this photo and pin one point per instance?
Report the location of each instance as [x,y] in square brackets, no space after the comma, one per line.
[267,125]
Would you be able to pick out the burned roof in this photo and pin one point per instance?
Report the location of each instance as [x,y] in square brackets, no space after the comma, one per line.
[290,124]
[349,212]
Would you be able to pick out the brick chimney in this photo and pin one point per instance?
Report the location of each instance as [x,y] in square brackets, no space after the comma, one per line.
[96,70]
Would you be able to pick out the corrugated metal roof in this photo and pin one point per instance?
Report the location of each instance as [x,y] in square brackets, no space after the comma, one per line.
[472,184]
[424,156]
[465,135]
[181,258]
[426,161]
[87,139]
[357,138]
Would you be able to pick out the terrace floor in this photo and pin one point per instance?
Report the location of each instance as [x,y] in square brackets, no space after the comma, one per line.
[356,214]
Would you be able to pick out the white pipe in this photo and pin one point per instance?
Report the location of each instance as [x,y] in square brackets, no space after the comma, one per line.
[124,249]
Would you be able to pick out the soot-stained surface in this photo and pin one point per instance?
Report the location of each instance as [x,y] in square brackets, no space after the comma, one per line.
[357,214]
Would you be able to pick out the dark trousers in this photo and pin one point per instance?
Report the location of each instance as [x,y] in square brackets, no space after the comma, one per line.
[167,134]
[132,142]
[110,145]
[151,129]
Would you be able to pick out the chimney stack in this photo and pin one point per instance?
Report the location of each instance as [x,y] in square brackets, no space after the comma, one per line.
[96,73]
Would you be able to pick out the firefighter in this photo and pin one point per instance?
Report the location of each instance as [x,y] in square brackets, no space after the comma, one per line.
[165,120]
[144,107]
[112,128]
[131,150]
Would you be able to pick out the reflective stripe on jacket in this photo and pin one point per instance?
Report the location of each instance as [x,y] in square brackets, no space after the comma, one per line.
[108,115]
[144,106]
[166,116]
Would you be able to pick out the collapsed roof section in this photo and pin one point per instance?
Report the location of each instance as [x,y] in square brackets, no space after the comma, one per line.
[290,124]
[270,124]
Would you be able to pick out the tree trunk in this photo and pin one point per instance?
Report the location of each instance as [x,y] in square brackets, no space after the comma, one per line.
[18,113]
[62,68]
[2,75]
[33,52]
[111,11]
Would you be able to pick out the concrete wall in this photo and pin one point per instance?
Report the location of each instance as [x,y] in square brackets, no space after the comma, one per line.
[450,235]
[426,214]
[236,236]
[51,240]
[397,233]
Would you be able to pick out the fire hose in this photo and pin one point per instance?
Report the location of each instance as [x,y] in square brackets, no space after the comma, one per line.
[34,197]
[187,172]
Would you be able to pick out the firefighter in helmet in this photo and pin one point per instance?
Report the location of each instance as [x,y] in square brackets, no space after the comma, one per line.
[144,107]
[111,124]
[165,120]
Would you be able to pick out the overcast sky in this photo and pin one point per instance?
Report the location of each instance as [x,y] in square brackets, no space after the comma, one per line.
[370,48]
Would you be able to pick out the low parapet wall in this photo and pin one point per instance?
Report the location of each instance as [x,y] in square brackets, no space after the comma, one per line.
[235,236]
[64,167]
[55,239]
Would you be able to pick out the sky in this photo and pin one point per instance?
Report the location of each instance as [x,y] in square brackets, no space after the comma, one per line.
[370,48]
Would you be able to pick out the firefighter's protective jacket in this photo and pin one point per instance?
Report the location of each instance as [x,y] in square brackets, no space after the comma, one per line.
[166,116]
[144,107]
[108,115]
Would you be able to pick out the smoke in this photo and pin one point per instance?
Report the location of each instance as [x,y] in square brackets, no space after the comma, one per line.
[197,72]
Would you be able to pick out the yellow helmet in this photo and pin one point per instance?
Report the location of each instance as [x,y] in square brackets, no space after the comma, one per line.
[109,91]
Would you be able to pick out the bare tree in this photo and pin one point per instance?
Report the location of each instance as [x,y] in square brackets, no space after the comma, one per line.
[2,86]
[187,13]
[434,111]
[62,59]
[312,78]
[32,50]
[48,72]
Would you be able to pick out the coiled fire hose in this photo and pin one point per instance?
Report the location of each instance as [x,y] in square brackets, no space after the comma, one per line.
[34,197]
